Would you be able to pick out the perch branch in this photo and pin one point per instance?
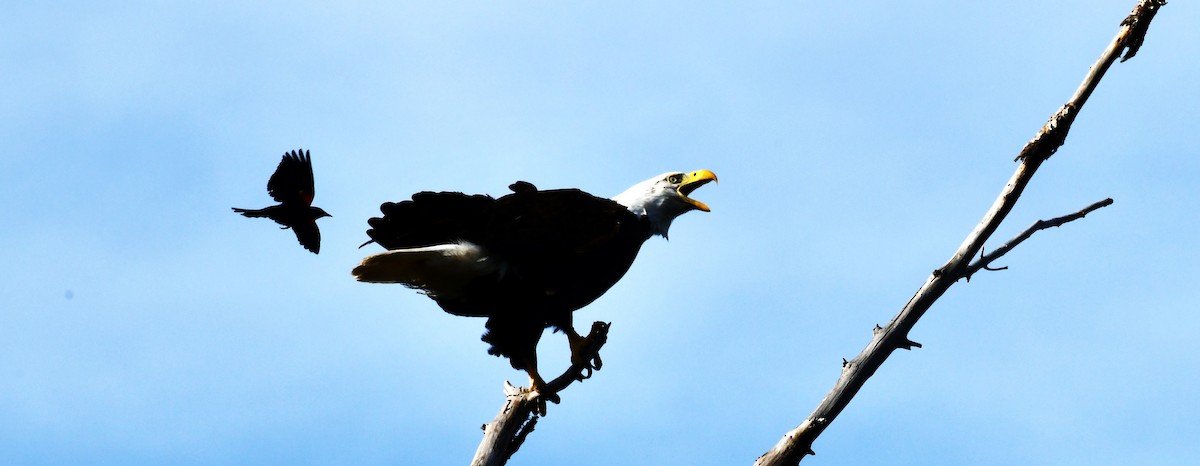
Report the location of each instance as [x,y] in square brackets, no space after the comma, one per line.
[797,443]
[504,435]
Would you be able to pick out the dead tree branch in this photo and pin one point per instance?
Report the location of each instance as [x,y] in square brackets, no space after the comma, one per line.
[797,443]
[504,435]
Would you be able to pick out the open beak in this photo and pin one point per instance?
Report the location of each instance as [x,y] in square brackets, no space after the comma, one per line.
[694,180]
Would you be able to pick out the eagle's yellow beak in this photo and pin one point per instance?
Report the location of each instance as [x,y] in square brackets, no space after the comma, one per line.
[694,180]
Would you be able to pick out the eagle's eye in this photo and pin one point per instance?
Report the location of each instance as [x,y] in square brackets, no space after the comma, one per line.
[675,179]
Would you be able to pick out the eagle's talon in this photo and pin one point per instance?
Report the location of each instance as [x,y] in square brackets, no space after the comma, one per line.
[586,364]
[585,354]
[540,397]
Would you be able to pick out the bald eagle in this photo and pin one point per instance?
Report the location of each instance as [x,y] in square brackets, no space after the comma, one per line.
[527,260]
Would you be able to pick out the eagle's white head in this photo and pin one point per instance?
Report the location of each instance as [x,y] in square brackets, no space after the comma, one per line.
[664,197]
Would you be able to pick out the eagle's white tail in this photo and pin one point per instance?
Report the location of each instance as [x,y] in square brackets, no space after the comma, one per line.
[442,270]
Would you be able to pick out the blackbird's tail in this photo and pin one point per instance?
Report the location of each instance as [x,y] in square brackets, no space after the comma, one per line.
[252,213]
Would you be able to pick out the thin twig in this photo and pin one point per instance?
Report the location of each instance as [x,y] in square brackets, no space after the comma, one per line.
[986,259]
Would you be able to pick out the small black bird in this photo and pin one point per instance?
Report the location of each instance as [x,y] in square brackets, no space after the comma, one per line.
[292,187]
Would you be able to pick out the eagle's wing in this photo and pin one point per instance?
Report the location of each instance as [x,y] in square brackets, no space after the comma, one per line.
[565,239]
[554,223]
[430,219]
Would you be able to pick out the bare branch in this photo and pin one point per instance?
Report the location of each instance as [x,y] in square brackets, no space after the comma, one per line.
[1139,23]
[1132,34]
[499,436]
[798,442]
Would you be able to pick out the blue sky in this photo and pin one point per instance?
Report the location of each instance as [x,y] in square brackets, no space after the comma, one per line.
[141,322]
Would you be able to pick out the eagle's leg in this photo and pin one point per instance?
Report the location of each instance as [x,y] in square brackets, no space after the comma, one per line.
[585,356]
[537,388]
[537,385]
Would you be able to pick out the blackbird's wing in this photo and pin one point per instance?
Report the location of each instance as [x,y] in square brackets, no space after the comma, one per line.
[292,182]
[308,235]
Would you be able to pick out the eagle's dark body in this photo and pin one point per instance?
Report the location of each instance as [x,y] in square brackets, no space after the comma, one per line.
[561,249]
[525,261]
